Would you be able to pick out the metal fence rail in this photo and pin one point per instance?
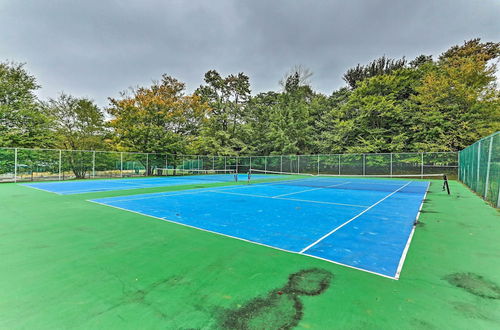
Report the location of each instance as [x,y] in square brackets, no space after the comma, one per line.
[480,168]
[22,164]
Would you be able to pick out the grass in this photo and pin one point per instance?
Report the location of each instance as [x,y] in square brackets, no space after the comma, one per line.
[69,263]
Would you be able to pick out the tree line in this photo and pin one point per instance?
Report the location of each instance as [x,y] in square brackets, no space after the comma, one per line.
[387,105]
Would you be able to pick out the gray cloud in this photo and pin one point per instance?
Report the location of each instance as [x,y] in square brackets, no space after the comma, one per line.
[99,48]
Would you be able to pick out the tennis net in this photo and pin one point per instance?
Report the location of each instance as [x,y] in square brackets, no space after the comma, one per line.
[210,175]
[407,183]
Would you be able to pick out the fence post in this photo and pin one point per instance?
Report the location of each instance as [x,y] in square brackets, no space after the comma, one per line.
[265,164]
[422,166]
[391,164]
[225,164]
[298,164]
[237,163]
[147,164]
[250,163]
[458,170]
[213,162]
[166,164]
[15,164]
[93,164]
[364,161]
[488,169]
[318,164]
[281,163]
[478,164]
[60,163]
[121,164]
[339,164]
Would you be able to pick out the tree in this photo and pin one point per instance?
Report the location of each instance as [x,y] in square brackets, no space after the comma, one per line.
[380,66]
[159,118]
[290,130]
[77,124]
[22,121]
[227,98]
[458,101]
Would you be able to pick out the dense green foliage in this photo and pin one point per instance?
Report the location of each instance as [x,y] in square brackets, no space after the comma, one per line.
[388,105]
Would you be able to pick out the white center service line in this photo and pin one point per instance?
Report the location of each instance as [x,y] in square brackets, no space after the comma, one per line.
[352,219]
[303,191]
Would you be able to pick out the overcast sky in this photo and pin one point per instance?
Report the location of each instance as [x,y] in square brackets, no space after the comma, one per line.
[97,48]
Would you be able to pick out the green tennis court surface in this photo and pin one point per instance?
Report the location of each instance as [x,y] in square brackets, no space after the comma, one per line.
[69,263]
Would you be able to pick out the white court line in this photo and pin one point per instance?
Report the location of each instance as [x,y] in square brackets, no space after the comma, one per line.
[243,239]
[288,199]
[27,185]
[352,219]
[407,246]
[170,193]
[303,191]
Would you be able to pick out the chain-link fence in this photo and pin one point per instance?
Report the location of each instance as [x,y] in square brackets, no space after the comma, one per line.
[479,168]
[20,164]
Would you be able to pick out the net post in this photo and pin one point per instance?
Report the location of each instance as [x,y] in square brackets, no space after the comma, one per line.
[15,164]
[391,164]
[121,164]
[422,166]
[445,184]
[318,164]
[93,164]
[60,164]
[488,169]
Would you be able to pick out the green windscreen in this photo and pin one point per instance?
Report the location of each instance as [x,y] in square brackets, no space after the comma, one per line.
[479,168]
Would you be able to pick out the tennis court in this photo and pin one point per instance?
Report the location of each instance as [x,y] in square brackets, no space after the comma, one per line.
[79,187]
[362,223]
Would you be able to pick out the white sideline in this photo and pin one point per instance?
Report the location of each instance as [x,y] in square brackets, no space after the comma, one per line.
[352,219]
[407,246]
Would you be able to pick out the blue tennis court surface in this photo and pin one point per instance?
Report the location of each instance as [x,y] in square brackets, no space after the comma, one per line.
[361,223]
[86,186]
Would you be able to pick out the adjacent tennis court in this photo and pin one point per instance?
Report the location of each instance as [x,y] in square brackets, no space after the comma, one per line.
[79,187]
[361,223]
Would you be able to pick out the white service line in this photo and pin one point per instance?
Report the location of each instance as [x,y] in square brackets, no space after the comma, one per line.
[352,219]
[286,199]
[303,191]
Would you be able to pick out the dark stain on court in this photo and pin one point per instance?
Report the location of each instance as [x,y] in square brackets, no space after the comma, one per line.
[474,284]
[280,308]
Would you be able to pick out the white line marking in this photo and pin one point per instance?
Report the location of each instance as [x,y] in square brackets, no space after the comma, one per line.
[243,239]
[27,185]
[288,199]
[303,191]
[407,246]
[171,193]
[352,219]
[346,265]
